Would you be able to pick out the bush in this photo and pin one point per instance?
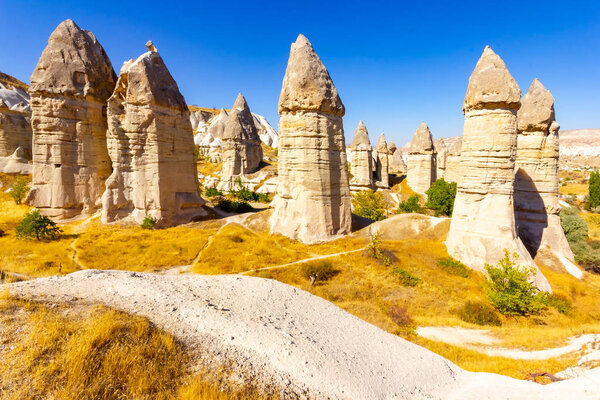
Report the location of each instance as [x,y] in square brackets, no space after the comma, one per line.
[400,316]
[453,267]
[440,197]
[406,278]
[245,194]
[573,225]
[560,303]
[213,192]
[479,313]
[410,205]
[234,206]
[19,189]
[594,190]
[319,271]
[369,204]
[38,226]
[148,222]
[509,289]
[586,251]
[376,250]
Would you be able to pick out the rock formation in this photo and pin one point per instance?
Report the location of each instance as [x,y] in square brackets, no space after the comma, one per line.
[242,152]
[421,160]
[69,88]
[361,159]
[536,180]
[382,163]
[313,198]
[15,119]
[150,142]
[483,222]
[452,163]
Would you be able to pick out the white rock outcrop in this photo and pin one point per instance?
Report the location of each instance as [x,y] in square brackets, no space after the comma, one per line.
[15,120]
[382,163]
[420,172]
[361,159]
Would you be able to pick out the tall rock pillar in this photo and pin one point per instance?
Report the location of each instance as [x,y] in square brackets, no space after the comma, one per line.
[69,88]
[313,197]
[361,159]
[382,164]
[421,160]
[483,222]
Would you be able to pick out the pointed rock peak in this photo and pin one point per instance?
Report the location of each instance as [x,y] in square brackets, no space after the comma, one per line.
[234,129]
[150,46]
[223,113]
[392,146]
[307,85]
[491,85]
[422,141]
[537,108]
[382,146]
[361,137]
[240,103]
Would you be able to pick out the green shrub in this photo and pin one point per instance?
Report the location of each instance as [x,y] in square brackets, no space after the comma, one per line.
[410,205]
[562,304]
[234,206]
[440,197]
[369,204]
[375,250]
[19,189]
[405,277]
[245,194]
[148,222]
[213,192]
[574,226]
[319,271]
[594,190]
[586,251]
[453,267]
[479,313]
[38,226]
[509,289]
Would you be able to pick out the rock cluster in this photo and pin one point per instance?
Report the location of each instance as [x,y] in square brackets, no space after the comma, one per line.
[313,197]
[421,160]
[382,163]
[536,180]
[483,223]
[69,88]
[15,121]
[151,146]
[361,159]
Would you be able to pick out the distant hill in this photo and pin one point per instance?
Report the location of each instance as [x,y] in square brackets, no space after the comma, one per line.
[8,80]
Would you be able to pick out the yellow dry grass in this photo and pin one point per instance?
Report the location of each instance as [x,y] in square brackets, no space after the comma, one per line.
[593,223]
[573,188]
[214,111]
[97,353]
[208,168]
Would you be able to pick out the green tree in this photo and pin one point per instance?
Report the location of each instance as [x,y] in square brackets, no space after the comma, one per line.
[440,197]
[509,288]
[594,190]
[19,189]
[148,222]
[38,226]
[410,205]
[369,204]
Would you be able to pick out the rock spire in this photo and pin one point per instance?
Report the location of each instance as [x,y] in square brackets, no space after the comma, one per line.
[361,159]
[421,171]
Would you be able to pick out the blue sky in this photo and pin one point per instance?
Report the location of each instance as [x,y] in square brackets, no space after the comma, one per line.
[394,63]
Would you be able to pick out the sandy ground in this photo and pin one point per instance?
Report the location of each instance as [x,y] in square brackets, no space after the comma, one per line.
[305,346]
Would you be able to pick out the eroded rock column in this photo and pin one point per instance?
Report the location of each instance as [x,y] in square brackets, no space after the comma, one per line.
[421,160]
[382,165]
[361,159]
[313,197]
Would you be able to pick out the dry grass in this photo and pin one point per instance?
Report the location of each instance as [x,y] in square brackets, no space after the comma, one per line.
[207,168]
[573,188]
[96,353]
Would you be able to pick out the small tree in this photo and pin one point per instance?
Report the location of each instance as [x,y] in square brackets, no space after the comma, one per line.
[19,189]
[440,197]
[410,205]
[369,204]
[38,226]
[594,190]
[509,289]
[148,222]
[375,249]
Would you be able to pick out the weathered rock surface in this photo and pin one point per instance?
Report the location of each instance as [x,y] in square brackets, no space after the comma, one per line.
[15,118]
[382,163]
[313,196]
[69,88]
[483,222]
[421,160]
[150,142]
[361,159]
[536,174]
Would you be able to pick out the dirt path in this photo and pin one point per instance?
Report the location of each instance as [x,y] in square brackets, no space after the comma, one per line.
[278,334]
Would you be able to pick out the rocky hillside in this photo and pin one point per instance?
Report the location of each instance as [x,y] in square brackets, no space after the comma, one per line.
[13,91]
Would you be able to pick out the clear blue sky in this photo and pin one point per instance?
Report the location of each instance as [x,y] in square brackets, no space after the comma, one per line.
[394,64]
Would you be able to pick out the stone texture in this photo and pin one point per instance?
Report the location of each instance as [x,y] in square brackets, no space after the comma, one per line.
[15,120]
[483,222]
[452,170]
[361,159]
[382,163]
[69,88]
[536,174]
[397,165]
[421,160]
[150,142]
[313,198]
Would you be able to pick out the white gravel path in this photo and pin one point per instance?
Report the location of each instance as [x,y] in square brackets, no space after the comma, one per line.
[306,346]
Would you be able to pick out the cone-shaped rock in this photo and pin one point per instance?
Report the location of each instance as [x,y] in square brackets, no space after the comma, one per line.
[69,88]
[217,126]
[392,146]
[536,180]
[313,197]
[483,221]
[361,159]
[382,163]
[151,145]
[421,171]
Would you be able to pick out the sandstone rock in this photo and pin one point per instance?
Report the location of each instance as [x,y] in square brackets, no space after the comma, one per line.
[421,160]
[397,165]
[536,180]
[150,142]
[483,222]
[17,163]
[382,165]
[69,88]
[452,170]
[313,197]
[361,159]
[15,118]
